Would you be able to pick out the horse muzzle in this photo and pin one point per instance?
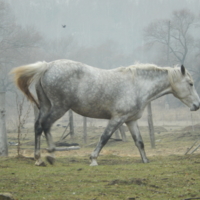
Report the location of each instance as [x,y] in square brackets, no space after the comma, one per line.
[195,107]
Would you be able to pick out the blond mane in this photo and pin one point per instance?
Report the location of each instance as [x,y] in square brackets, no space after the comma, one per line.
[174,73]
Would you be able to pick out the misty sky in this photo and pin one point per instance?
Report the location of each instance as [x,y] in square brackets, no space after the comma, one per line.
[92,22]
[99,22]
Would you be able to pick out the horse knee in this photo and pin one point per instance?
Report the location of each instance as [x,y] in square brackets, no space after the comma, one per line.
[38,128]
[140,144]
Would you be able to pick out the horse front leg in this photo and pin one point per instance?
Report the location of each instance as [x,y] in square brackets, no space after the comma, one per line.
[51,148]
[112,126]
[135,132]
[37,155]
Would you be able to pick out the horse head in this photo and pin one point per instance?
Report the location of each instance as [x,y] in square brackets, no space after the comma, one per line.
[183,88]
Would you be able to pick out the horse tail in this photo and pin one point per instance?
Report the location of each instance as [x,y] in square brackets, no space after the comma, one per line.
[25,75]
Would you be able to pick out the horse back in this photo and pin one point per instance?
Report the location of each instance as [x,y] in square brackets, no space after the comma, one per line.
[89,91]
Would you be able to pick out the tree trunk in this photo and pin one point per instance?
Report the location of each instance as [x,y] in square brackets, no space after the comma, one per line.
[71,124]
[151,127]
[168,44]
[85,129]
[3,135]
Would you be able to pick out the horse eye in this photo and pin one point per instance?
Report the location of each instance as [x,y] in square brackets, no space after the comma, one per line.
[191,84]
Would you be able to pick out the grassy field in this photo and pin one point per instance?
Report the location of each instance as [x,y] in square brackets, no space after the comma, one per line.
[169,177]
[120,174]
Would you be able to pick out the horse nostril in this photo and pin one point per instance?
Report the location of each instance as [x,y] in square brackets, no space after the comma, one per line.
[196,106]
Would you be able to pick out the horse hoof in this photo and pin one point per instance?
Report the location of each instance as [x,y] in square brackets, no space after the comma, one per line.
[40,164]
[50,160]
[146,161]
[94,163]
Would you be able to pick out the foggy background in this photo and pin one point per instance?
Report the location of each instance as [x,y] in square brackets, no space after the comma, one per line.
[102,33]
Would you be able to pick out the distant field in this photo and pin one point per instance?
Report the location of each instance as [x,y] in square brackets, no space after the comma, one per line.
[120,174]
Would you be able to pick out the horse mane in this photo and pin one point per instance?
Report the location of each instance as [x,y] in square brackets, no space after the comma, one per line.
[174,73]
[141,66]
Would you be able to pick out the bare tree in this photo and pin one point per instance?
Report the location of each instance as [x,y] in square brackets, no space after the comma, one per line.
[22,116]
[3,136]
[15,42]
[173,34]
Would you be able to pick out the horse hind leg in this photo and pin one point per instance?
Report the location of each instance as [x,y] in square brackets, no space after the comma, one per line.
[38,133]
[45,106]
[52,116]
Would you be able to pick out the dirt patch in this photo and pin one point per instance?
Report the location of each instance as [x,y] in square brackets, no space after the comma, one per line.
[132,181]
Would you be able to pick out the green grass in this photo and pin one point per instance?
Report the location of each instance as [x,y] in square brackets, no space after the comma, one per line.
[120,174]
[165,177]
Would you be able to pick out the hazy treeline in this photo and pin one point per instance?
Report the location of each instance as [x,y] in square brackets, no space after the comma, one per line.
[101,33]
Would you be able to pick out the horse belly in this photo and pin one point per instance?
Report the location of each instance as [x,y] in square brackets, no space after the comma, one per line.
[92,111]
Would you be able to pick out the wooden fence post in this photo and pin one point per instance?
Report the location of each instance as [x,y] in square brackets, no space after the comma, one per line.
[3,135]
[36,112]
[151,127]
[117,134]
[85,129]
[71,124]
[122,132]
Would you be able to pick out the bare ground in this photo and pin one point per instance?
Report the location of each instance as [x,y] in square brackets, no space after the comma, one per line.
[170,140]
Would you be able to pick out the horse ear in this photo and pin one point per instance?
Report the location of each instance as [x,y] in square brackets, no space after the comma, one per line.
[183,69]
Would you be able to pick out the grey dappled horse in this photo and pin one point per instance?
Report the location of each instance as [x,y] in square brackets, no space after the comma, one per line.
[119,95]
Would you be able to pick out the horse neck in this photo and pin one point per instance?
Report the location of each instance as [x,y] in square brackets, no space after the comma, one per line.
[154,84]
